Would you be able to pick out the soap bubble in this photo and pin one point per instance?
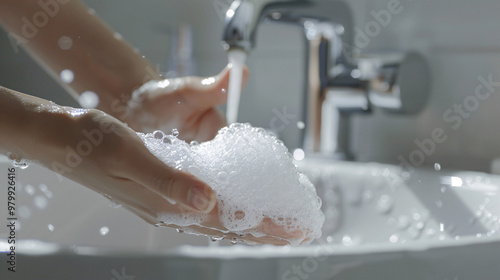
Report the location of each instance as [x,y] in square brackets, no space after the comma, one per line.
[158,134]
[301,125]
[65,42]
[67,76]
[88,100]
[253,176]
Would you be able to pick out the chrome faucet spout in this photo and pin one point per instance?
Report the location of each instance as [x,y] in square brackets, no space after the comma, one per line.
[243,17]
[238,26]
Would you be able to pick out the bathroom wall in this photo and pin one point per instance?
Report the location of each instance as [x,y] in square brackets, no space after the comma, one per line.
[461,44]
[458,38]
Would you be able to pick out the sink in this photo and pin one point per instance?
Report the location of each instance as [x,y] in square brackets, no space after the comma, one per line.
[382,222]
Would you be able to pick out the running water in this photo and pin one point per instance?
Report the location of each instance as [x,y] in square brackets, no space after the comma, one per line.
[237,59]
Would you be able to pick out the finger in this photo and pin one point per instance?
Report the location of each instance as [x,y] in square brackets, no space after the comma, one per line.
[172,184]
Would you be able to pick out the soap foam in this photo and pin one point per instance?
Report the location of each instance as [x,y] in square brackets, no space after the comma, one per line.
[253,175]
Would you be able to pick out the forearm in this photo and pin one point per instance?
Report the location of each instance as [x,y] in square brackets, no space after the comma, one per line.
[100,62]
[30,126]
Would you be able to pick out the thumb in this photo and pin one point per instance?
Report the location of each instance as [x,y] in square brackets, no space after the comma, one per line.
[173,184]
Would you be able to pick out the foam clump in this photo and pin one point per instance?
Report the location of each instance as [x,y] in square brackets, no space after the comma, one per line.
[254,177]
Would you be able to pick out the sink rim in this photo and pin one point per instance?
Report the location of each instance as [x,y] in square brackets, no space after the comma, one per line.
[41,248]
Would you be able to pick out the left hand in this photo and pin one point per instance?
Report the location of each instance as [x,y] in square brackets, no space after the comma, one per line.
[187,104]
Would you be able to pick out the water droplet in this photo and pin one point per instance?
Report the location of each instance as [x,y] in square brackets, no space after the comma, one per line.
[19,163]
[233,242]
[67,76]
[384,204]
[65,42]
[223,90]
[43,187]
[298,154]
[104,231]
[114,204]
[29,189]
[347,240]
[118,36]
[175,132]
[394,238]
[179,230]
[216,238]
[50,227]
[301,125]
[171,201]
[194,143]
[88,100]
[40,202]
[437,166]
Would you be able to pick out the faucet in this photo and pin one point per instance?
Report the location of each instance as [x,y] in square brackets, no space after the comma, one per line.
[339,82]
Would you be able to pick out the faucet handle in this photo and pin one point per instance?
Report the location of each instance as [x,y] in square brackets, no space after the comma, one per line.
[397,83]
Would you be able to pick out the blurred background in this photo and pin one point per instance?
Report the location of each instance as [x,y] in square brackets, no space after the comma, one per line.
[458,38]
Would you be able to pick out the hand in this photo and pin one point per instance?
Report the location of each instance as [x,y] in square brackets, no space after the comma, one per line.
[100,152]
[187,104]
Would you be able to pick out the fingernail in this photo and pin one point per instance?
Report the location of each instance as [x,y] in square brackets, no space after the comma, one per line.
[201,200]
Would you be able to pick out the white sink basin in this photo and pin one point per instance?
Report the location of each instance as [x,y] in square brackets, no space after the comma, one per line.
[380,224]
